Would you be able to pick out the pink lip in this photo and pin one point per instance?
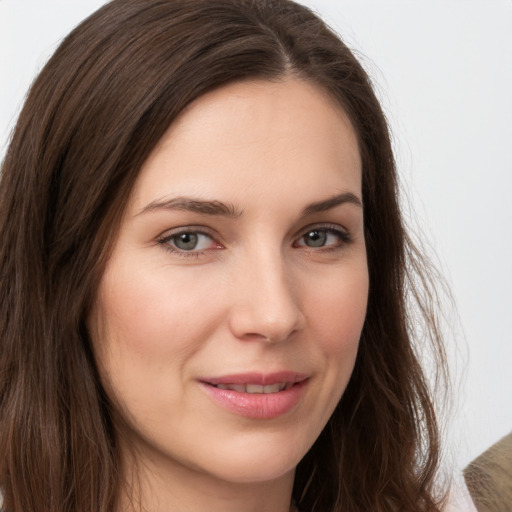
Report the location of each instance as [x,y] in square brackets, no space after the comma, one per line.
[257,405]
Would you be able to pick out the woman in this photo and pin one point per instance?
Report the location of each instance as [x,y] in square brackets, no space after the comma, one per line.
[205,274]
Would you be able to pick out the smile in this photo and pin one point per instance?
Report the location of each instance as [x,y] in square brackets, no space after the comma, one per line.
[257,396]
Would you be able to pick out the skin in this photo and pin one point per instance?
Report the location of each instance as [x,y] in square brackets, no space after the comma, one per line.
[256,294]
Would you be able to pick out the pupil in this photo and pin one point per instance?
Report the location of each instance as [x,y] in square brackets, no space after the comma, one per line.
[186,241]
[316,238]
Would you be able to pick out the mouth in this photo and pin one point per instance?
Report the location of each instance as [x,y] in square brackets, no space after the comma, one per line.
[257,383]
[257,396]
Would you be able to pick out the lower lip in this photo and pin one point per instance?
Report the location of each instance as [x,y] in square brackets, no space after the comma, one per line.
[257,405]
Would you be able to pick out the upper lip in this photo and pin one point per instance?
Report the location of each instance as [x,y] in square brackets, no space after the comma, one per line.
[263,379]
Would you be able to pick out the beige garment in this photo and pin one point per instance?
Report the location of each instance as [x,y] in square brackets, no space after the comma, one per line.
[489,478]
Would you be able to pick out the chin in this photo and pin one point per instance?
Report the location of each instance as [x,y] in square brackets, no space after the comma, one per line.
[257,461]
[254,472]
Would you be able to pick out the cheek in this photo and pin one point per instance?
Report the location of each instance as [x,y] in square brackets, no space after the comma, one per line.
[338,309]
[338,313]
[145,328]
[151,316]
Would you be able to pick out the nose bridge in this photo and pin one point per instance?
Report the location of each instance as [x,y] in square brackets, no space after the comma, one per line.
[268,306]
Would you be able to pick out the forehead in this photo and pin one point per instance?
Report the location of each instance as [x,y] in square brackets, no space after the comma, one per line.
[251,135]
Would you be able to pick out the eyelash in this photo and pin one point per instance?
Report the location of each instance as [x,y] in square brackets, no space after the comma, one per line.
[343,235]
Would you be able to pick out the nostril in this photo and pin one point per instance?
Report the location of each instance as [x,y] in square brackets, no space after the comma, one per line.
[254,336]
[274,337]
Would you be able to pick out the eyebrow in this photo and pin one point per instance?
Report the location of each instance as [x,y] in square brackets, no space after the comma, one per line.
[207,207]
[332,202]
[193,205]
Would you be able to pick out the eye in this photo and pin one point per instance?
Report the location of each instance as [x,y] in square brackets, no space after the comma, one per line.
[188,242]
[323,237]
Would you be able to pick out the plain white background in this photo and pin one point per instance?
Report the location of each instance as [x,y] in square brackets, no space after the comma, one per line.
[443,71]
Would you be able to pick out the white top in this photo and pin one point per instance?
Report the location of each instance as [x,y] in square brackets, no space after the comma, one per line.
[459,499]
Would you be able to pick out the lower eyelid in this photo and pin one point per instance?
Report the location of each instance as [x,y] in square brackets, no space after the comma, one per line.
[196,253]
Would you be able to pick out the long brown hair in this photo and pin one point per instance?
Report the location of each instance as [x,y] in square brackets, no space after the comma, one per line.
[91,119]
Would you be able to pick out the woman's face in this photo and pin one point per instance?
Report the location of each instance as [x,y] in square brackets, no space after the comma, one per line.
[228,317]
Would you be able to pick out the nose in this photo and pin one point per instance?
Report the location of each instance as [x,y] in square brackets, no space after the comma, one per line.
[265,304]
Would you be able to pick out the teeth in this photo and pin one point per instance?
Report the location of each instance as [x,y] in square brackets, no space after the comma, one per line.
[274,388]
[256,388]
